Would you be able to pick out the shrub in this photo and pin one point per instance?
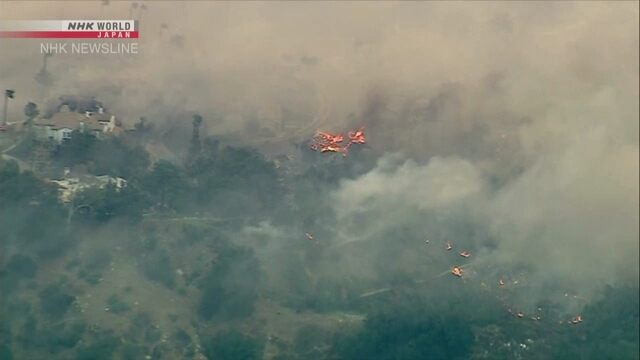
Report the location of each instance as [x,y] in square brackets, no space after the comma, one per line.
[157,267]
[116,305]
[54,301]
[21,266]
[232,345]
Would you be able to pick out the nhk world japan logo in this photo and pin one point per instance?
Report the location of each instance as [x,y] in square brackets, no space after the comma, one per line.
[70,29]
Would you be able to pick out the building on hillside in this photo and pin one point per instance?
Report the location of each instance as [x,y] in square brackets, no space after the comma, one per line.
[70,186]
[62,124]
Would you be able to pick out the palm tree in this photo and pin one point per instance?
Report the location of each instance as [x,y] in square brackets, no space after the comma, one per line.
[47,55]
[31,111]
[8,94]
[185,16]
[43,77]
[134,5]
[143,7]
[196,145]
[163,27]
[102,5]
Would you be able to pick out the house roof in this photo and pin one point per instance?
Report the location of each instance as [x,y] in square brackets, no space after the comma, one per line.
[104,117]
[71,120]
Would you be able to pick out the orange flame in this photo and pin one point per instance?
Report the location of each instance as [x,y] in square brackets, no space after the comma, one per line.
[327,142]
[456,271]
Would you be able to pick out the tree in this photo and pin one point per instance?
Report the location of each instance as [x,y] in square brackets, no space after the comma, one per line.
[86,199]
[232,345]
[165,183]
[113,157]
[41,157]
[134,5]
[43,77]
[143,127]
[22,266]
[19,188]
[142,8]
[103,204]
[230,287]
[126,202]
[31,112]
[196,145]
[243,175]
[8,94]
[163,27]
[613,331]
[103,4]
[30,215]
[141,124]
[407,332]
[79,149]
[55,301]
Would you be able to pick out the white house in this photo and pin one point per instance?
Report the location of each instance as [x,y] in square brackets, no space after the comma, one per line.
[60,126]
[68,187]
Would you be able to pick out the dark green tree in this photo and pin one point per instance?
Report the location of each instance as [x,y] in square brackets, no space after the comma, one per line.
[8,94]
[167,184]
[22,266]
[55,301]
[79,149]
[230,287]
[613,328]
[232,345]
[238,173]
[98,205]
[31,216]
[31,112]
[196,145]
[141,124]
[112,157]
[17,188]
[407,332]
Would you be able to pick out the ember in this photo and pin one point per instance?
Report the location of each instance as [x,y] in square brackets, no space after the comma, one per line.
[456,271]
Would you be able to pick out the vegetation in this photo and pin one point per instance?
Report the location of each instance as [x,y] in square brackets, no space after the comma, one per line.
[408,333]
[230,288]
[21,266]
[101,346]
[232,345]
[102,157]
[27,200]
[55,301]
[157,267]
[226,274]
[116,305]
[31,112]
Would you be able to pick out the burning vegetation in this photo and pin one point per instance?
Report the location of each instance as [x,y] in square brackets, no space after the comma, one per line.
[328,142]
